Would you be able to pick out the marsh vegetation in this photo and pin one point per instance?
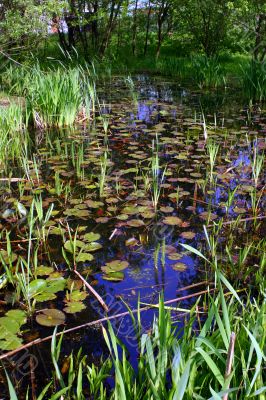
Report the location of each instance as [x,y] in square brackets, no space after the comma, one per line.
[132,202]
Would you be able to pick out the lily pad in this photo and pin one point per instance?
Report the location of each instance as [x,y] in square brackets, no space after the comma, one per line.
[36,286]
[83,257]
[115,266]
[18,315]
[51,317]
[179,267]
[43,270]
[92,246]
[91,237]
[74,307]
[11,343]
[172,221]
[45,297]
[188,235]
[136,223]
[114,276]
[76,295]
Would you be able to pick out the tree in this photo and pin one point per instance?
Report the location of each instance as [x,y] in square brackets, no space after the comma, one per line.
[26,22]
[207,21]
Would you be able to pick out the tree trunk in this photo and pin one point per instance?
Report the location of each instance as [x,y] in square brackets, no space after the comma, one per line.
[134,28]
[147,29]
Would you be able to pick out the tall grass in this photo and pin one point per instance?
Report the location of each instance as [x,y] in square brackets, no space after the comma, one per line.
[254,80]
[207,72]
[54,98]
[13,133]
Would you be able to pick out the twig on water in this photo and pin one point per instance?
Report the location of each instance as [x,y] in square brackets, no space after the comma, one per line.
[93,291]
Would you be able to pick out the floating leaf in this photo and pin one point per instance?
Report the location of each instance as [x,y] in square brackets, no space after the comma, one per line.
[175,256]
[188,235]
[18,315]
[114,266]
[50,317]
[36,286]
[74,307]
[45,297]
[136,223]
[11,343]
[172,221]
[9,324]
[91,237]
[93,246]
[55,285]
[84,257]
[114,276]
[43,270]
[205,215]
[69,246]
[179,266]
[77,295]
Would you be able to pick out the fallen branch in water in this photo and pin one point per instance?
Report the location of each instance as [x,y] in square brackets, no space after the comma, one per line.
[93,291]
[99,321]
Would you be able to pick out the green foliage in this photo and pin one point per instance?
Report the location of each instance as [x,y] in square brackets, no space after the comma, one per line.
[254,80]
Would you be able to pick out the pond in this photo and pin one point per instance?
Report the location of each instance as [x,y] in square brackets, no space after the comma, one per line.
[123,199]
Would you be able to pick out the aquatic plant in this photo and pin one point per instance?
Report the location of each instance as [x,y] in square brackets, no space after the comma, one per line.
[207,72]
[54,98]
[212,149]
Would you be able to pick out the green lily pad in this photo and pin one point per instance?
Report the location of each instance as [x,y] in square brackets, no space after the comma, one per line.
[43,270]
[93,246]
[135,223]
[51,317]
[36,286]
[74,307]
[9,324]
[45,297]
[56,285]
[114,276]
[91,237]
[77,295]
[114,266]
[69,246]
[18,315]
[12,343]
[83,257]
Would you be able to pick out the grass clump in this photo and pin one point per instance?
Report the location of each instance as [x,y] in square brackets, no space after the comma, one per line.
[254,80]
[54,98]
